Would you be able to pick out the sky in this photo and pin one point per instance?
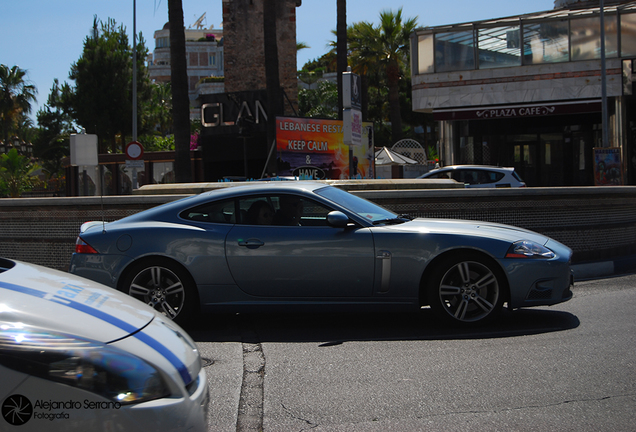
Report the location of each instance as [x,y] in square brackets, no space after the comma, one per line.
[44,37]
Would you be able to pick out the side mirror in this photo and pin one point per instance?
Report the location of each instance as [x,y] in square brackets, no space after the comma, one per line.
[337,219]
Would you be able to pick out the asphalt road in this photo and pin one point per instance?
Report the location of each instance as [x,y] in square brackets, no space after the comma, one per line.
[570,367]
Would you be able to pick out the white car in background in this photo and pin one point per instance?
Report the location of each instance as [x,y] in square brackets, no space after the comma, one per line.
[478,176]
[76,355]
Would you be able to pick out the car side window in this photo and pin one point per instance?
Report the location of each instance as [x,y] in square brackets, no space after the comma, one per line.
[282,210]
[258,210]
[461,176]
[495,176]
[215,212]
[442,175]
[483,177]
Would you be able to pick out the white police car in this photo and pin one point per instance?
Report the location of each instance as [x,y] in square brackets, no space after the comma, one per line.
[76,355]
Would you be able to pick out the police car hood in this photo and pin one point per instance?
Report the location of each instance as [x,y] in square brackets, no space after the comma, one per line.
[58,301]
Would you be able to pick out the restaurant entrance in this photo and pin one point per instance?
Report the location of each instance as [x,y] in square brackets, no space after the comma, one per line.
[545,151]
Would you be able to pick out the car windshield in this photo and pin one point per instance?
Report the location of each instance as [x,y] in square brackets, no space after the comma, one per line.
[360,206]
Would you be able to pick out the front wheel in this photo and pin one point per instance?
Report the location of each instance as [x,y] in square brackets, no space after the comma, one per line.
[467,289]
[164,286]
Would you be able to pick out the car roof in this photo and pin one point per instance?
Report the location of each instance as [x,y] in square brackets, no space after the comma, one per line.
[227,191]
[265,187]
[482,167]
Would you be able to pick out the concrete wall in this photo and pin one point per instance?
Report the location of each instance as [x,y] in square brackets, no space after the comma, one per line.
[598,223]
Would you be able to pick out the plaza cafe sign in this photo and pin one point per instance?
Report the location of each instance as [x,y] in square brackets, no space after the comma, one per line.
[517,111]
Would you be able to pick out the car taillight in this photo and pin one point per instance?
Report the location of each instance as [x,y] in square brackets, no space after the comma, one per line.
[82,247]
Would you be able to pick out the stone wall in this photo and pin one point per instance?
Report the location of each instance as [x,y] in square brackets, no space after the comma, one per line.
[244,46]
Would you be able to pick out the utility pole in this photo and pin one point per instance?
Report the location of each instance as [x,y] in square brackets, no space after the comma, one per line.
[604,82]
[134,77]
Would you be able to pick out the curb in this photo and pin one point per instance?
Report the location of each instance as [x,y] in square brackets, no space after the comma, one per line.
[600,269]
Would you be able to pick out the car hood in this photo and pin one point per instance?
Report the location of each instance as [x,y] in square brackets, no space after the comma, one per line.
[471,228]
[58,301]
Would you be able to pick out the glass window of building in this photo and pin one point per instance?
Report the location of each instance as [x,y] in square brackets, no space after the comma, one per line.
[585,34]
[628,35]
[499,47]
[454,51]
[545,42]
[162,42]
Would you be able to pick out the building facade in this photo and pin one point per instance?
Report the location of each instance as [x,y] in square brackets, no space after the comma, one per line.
[527,91]
[204,51]
[234,123]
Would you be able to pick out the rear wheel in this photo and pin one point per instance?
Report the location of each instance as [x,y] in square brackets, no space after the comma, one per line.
[467,289]
[164,286]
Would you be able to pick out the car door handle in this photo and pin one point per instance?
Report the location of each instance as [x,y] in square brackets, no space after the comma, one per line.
[251,243]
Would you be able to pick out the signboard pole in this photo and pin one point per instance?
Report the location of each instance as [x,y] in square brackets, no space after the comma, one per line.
[351,115]
[134,153]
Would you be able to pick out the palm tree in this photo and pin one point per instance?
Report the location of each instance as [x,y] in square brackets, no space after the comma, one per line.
[272,72]
[386,46]
[16,96]
[158,108]
[341,47]
[301,45]
[180,98]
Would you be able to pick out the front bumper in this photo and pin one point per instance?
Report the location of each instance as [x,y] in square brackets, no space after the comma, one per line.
[537,282]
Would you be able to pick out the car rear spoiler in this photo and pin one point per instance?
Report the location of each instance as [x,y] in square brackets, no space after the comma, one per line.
[87,225]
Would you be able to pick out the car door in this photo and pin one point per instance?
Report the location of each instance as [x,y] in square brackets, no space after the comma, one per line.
[299,258]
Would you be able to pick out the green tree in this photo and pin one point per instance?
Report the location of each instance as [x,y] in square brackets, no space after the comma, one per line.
[101,100]
[323,64]
[16,95]
[384,49]
[51,144]
[321,102]
[16,173]
[158,109]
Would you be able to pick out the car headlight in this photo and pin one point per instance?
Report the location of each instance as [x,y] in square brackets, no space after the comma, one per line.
[529,249]
[82,363]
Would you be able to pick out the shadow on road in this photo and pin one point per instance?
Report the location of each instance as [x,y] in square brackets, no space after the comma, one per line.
[335,328]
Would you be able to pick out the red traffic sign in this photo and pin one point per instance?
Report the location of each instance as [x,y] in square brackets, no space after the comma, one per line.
[134,150]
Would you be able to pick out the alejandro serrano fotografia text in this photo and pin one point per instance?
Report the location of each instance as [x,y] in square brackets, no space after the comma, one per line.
[71,404]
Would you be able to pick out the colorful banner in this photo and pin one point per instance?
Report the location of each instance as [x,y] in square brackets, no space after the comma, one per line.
[314,149]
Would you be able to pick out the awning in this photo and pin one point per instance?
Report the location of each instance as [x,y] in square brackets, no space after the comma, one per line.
[386,156]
